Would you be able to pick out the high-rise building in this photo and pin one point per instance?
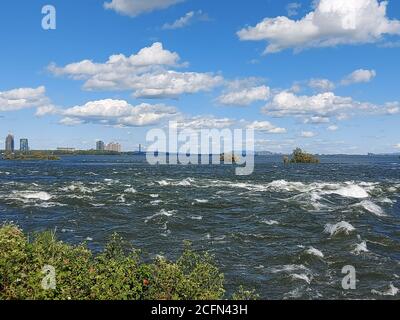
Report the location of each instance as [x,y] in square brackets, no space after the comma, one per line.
[100,146]
[23,145]
[10,143]
[114,147]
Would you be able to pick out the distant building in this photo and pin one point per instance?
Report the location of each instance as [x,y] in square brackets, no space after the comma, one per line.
[23,145]
[100,146]
[114,147]
[10,143]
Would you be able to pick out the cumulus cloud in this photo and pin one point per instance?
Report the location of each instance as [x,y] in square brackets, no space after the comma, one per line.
[308,134]
[325,104]
[266,126]
[149,74]
[322,85]
[186,20]
[245,97]
[333,128]
[359,76]
[204,122]
[317,120]
[117,113]
[293,8]
[392,108]
[134,8]
[332,23]
[24,98]
[397,146]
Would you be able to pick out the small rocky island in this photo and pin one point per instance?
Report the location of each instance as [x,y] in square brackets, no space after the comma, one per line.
[299,156]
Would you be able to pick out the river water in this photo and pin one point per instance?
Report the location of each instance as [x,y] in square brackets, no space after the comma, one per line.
[286,231]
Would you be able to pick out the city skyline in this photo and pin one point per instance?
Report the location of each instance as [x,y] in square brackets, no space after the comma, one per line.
[332,90]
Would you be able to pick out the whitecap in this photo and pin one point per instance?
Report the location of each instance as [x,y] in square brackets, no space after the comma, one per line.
[31,195]
[196,217]
[163,212]
[270,222]
[130,190]
[350,191]
[392,291]
[361,248]
[289,268]
[341,227]
[314,252]
[372,208]
[302,276]
[201,200]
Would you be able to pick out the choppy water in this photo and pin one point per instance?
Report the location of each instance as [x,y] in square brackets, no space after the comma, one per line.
[285,231]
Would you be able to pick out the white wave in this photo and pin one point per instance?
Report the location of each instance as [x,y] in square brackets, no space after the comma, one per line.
[270,222]
[386,200]
[67,230]
[350,191]
[314,252]
[361,248]
[32,195]
[130,190]
[341,227]
[392,291]
[79,187]
[372,208]
[154,196]
[290,268]
[196,217]
[201,201]
[121,199]
[302,276]
[163,183]
[182,183]
[49,204]
[163,212]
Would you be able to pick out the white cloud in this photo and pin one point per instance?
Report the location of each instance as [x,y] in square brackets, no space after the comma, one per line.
[333,128]
[205,122]
[293,8]
[134,8]
[186,20]
[266,126]
[359,76]
[392,108]
[322,85]
[317,120]
[148,74]
[324,104]
[397,146]
[308,134]
[332,23]
[24,98]
[245,97]
[117,112]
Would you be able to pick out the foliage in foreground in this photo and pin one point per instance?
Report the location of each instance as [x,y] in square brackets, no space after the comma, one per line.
[116,274]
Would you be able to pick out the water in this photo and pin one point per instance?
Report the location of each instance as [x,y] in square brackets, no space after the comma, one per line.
[286,231]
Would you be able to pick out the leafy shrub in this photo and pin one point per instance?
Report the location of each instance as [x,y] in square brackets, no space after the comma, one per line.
[299,156]
[115,274]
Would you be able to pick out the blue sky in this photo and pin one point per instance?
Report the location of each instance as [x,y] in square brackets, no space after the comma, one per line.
[322,75]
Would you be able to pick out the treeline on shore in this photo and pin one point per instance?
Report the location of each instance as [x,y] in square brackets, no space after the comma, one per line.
[117,273]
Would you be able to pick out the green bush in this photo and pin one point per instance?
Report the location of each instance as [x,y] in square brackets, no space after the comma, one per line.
[115,274]
[299,156]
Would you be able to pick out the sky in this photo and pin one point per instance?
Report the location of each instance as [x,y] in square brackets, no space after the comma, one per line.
[320,75]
